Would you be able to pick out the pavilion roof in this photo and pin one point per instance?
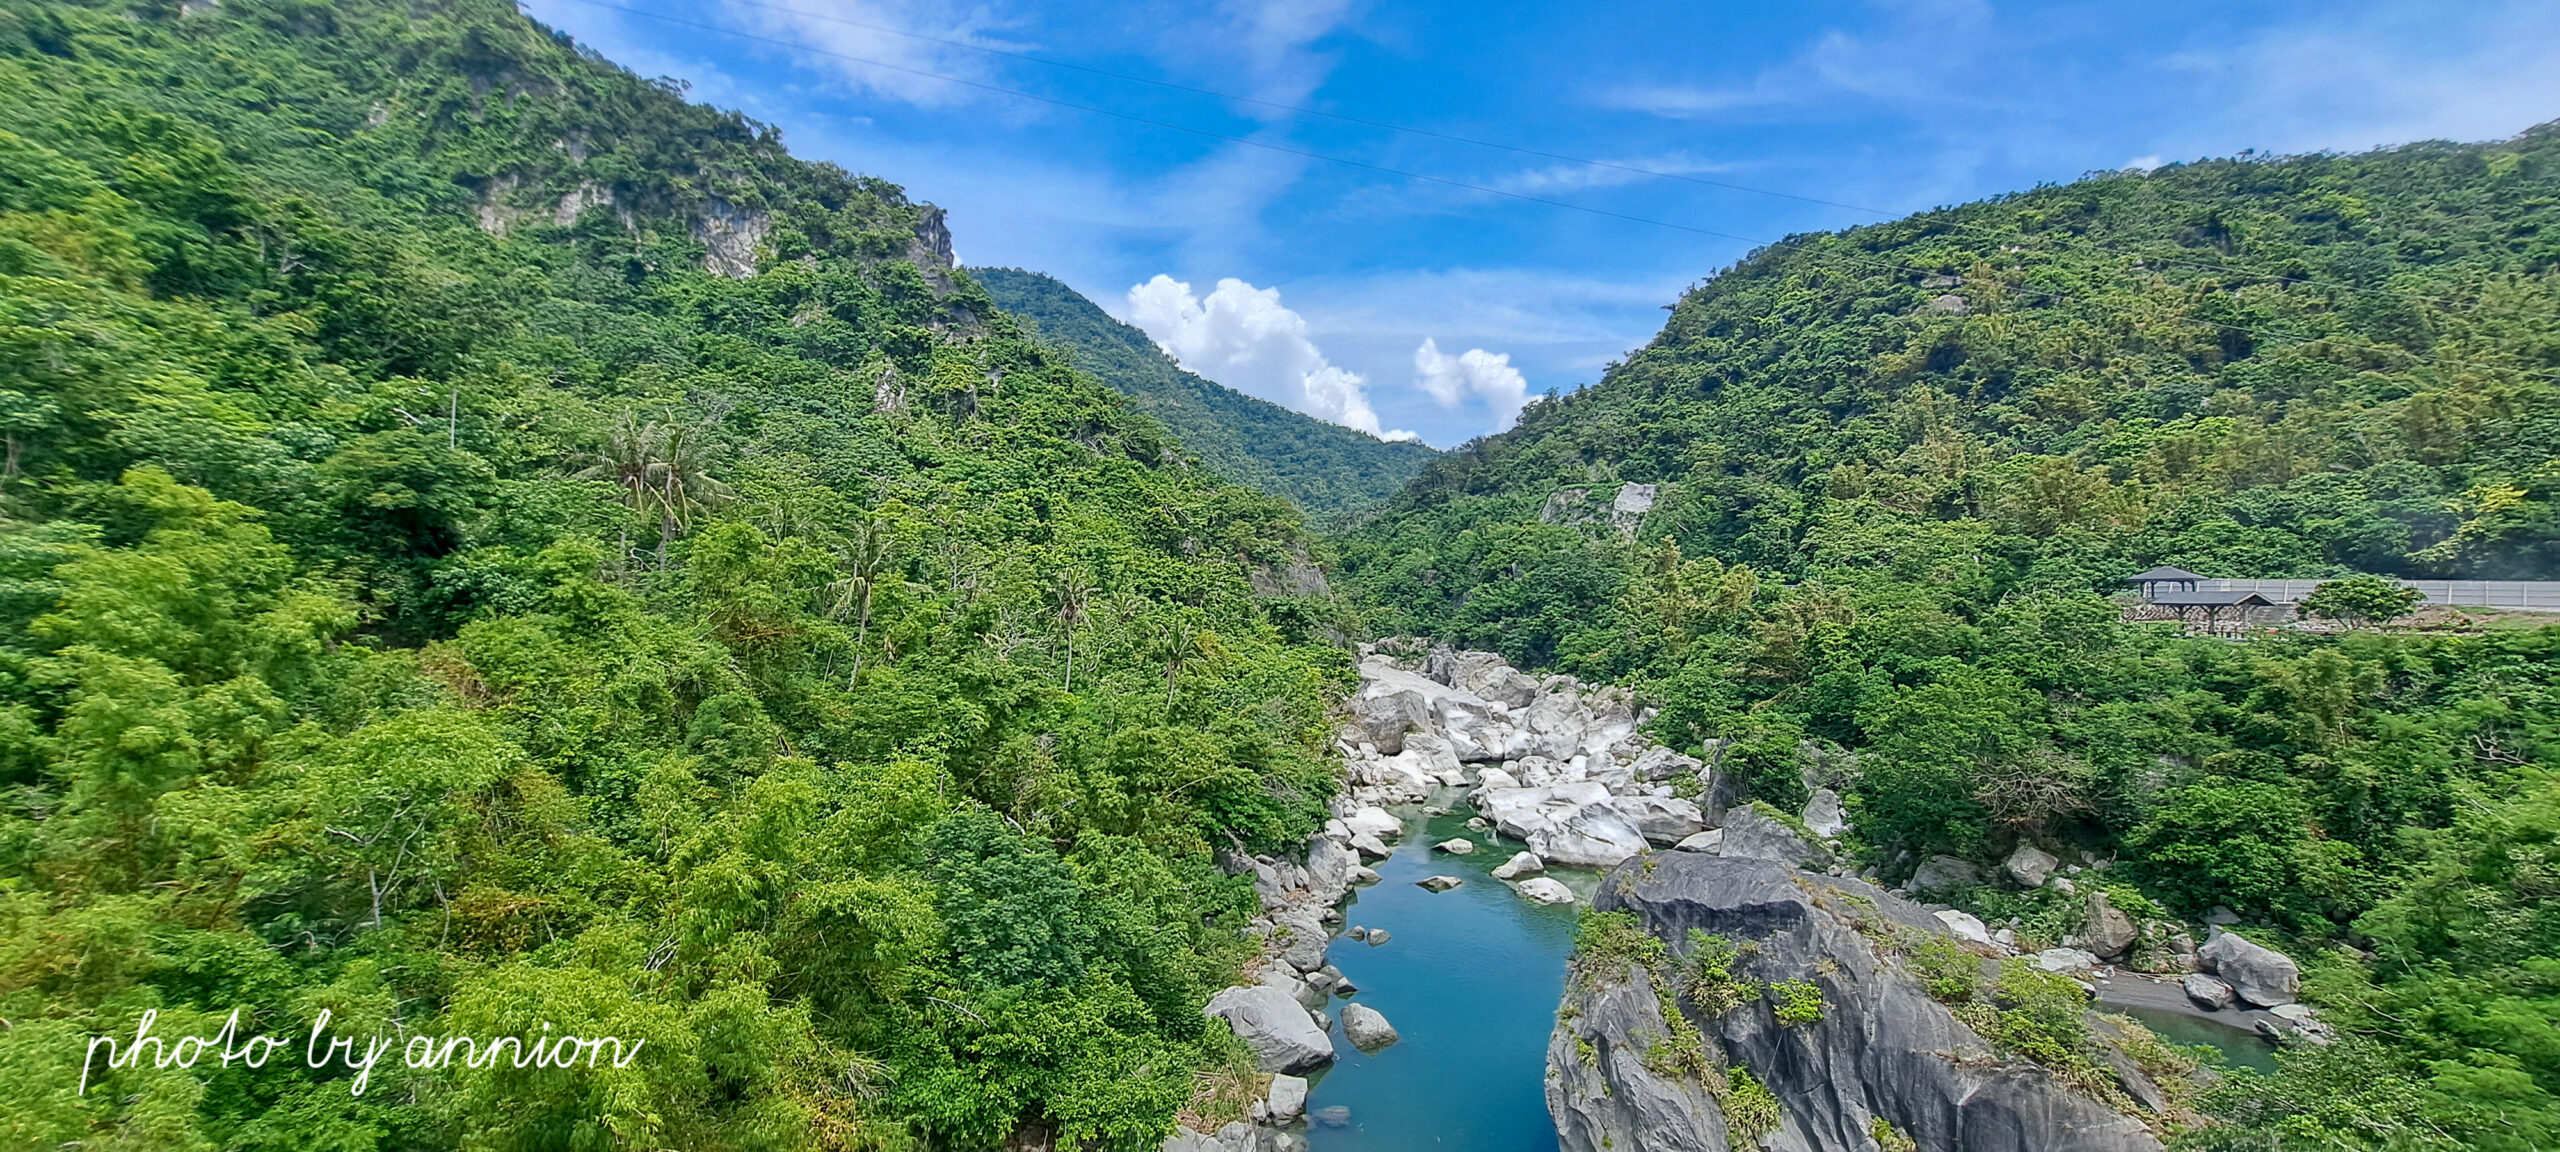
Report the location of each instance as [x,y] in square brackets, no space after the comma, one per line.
[2164,575]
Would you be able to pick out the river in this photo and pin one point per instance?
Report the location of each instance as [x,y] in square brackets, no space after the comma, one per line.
[1470,978]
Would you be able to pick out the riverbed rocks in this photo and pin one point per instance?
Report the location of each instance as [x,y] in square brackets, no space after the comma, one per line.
[2259,975]
[1367,1028]
[1272,1023]
[1521,864]
[1437,884]
[1456,846]
[1883,1049]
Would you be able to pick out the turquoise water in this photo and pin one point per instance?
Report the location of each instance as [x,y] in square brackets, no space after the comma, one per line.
[2240,1047]
[1470,978]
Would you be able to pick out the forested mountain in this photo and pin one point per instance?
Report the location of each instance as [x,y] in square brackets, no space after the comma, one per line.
[1894,471]
[492,548]
[1329,470]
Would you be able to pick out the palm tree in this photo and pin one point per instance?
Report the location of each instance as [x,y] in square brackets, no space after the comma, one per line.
[657,469]
[629,460]
[1074,592]
[1177,642]
[861,559]
[684,484]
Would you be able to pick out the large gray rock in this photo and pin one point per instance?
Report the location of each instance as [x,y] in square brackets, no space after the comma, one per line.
[1710,842]
[1484,674]
[1822,814]
[1367,1028]
[1288,1098]
[1384,711]
[1751,834]
[1272,1023]
[1883,1048]
[1375,821]
[1939,873]
[2029,865]
[2110,933]
[2208,992]
[1330,866]
[1657,764]
[1521,864]
[1591,836]
[2261,975]
[1663,819]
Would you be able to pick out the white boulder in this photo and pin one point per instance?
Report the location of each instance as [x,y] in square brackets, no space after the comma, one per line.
[1965,925]
[1544,890]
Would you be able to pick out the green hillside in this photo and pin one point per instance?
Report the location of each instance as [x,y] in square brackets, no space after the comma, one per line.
[489,548]
[1897,470]
[1329,470]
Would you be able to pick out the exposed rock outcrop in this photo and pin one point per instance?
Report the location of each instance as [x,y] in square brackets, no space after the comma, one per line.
[1623,1076]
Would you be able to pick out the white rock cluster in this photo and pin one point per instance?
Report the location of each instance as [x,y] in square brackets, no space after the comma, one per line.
[1553,762]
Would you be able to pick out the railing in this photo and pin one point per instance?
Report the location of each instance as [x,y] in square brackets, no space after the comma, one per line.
[2543,595]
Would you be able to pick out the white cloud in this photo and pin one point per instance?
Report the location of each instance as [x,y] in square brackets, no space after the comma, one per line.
[1910,56]
[871,33]
[1608,173]
[1487,376]
[1268,44]
[1243,337]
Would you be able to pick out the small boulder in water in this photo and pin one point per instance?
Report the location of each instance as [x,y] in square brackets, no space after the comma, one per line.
[1545,890]
[1337,1116]
[1439,883]
[1521,864]
[1377,936]
[1367,1028]
[1456,846]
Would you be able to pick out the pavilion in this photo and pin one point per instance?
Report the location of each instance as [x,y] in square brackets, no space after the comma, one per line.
[2176,589]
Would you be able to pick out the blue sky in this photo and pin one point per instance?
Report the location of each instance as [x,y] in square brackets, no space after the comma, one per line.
[1418,308]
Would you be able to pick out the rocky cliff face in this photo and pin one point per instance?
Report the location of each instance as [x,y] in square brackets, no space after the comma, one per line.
[1704,1043]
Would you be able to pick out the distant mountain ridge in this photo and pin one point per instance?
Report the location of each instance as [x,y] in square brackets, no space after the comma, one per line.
[1328,470]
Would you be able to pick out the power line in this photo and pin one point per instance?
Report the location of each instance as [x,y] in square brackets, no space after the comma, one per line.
[1809,250]
[1519,150]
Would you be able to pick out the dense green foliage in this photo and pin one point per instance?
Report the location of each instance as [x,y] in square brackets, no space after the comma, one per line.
[1329,470]
[1901,468]
[430,593]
